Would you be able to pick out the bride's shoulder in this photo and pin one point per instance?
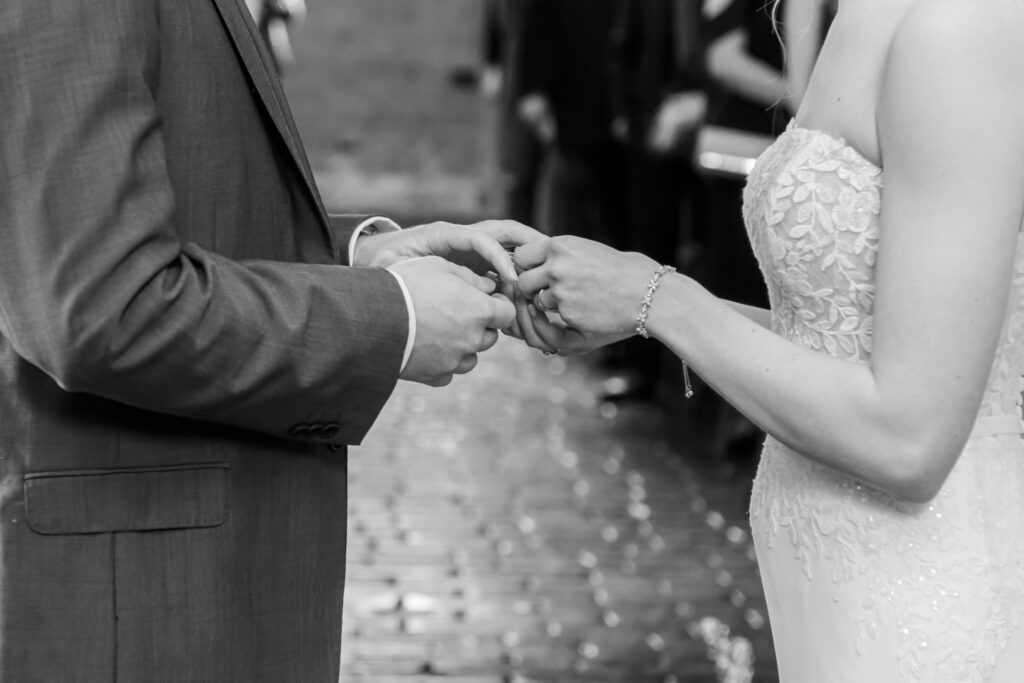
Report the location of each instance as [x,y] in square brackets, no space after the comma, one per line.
[988,29]
[947,43]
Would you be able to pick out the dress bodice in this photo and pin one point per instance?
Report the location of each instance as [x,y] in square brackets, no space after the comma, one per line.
[934,590]
[811,207]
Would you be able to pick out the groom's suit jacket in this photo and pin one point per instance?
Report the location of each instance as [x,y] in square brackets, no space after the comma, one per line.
[183,354]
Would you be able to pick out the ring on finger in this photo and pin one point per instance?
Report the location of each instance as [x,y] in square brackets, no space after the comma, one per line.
[538,301]
[553,352]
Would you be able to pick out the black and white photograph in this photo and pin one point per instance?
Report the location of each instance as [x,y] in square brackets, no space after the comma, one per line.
[512,341]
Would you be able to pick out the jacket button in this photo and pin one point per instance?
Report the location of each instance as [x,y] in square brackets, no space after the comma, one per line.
[329,431]
[299,430]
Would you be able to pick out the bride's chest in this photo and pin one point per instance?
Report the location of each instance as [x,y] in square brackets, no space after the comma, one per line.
[811,206]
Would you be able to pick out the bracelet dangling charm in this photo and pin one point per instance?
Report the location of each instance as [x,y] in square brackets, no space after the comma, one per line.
[641,321]
[687,387]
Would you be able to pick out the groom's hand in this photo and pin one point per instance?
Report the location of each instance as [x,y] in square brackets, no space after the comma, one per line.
[483,247]
[458,315]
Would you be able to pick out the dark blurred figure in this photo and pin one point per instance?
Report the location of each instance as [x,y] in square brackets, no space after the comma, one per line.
[756,81]
[566,62]
[659,103]
[755,84]
[520,152]
[742,48]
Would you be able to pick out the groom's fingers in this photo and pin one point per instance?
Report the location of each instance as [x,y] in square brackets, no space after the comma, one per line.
[484,284]
[490,338]
[502,312]
[509,233]
[466,365]
[456,239]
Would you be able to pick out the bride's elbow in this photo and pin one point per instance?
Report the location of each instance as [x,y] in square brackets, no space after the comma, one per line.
[917,488]
[919,469]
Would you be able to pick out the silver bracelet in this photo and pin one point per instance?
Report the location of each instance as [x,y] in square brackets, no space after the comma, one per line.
[641,321]
[641,318]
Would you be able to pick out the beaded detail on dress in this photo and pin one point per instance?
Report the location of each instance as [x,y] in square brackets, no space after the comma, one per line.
[947,578]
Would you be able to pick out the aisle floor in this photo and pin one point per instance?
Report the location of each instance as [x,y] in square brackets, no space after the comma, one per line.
[512,528]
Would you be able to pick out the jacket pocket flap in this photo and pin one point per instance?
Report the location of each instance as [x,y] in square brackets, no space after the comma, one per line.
[129,499]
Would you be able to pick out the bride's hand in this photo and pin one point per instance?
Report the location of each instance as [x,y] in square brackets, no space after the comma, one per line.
[549,333]
[594,289]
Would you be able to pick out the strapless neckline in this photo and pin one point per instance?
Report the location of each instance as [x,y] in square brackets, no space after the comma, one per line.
[839,142]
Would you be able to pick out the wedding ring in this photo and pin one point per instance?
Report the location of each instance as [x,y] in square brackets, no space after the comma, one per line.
[540,304]
[550,353]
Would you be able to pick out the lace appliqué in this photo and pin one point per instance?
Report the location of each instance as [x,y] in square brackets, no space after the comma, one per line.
[815,221]
[947,577]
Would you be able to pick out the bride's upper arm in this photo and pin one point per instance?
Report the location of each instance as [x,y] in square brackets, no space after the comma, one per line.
[952,143]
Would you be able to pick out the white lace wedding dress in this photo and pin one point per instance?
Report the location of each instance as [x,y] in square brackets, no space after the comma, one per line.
[861,587]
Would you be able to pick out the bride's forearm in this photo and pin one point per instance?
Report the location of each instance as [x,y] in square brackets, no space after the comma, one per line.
[761,316]
[828,409]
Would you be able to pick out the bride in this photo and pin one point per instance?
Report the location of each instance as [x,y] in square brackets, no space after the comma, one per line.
[888,509]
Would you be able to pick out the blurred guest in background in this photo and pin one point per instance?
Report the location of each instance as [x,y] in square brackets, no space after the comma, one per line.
[520,152]
[757,79]
[565,63]
[659,103]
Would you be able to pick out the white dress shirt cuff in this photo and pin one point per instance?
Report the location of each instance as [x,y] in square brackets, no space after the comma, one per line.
[372,226]
[412,318]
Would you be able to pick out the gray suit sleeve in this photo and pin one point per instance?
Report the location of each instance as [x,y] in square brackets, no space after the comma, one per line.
[98,290]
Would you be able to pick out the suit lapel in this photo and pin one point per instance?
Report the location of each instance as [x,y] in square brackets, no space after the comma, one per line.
[256,60]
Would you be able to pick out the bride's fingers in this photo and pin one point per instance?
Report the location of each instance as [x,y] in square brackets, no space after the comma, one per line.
[513,331]
[531,254]
[552,335]
[532,281]
[525,318]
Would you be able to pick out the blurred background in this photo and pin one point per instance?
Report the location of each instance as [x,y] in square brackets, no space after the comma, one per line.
[551,519]
[385,128]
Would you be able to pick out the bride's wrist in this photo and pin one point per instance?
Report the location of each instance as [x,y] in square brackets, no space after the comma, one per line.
[670,294]
[659,274]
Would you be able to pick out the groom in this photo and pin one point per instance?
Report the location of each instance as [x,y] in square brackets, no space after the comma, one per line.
[185,351]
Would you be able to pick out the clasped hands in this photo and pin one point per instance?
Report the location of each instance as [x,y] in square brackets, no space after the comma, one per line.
[562,295]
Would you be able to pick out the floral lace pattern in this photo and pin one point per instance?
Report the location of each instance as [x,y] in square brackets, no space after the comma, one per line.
[946,578]
[812,210]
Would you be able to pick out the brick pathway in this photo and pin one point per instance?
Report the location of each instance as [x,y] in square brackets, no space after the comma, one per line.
[509,528]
